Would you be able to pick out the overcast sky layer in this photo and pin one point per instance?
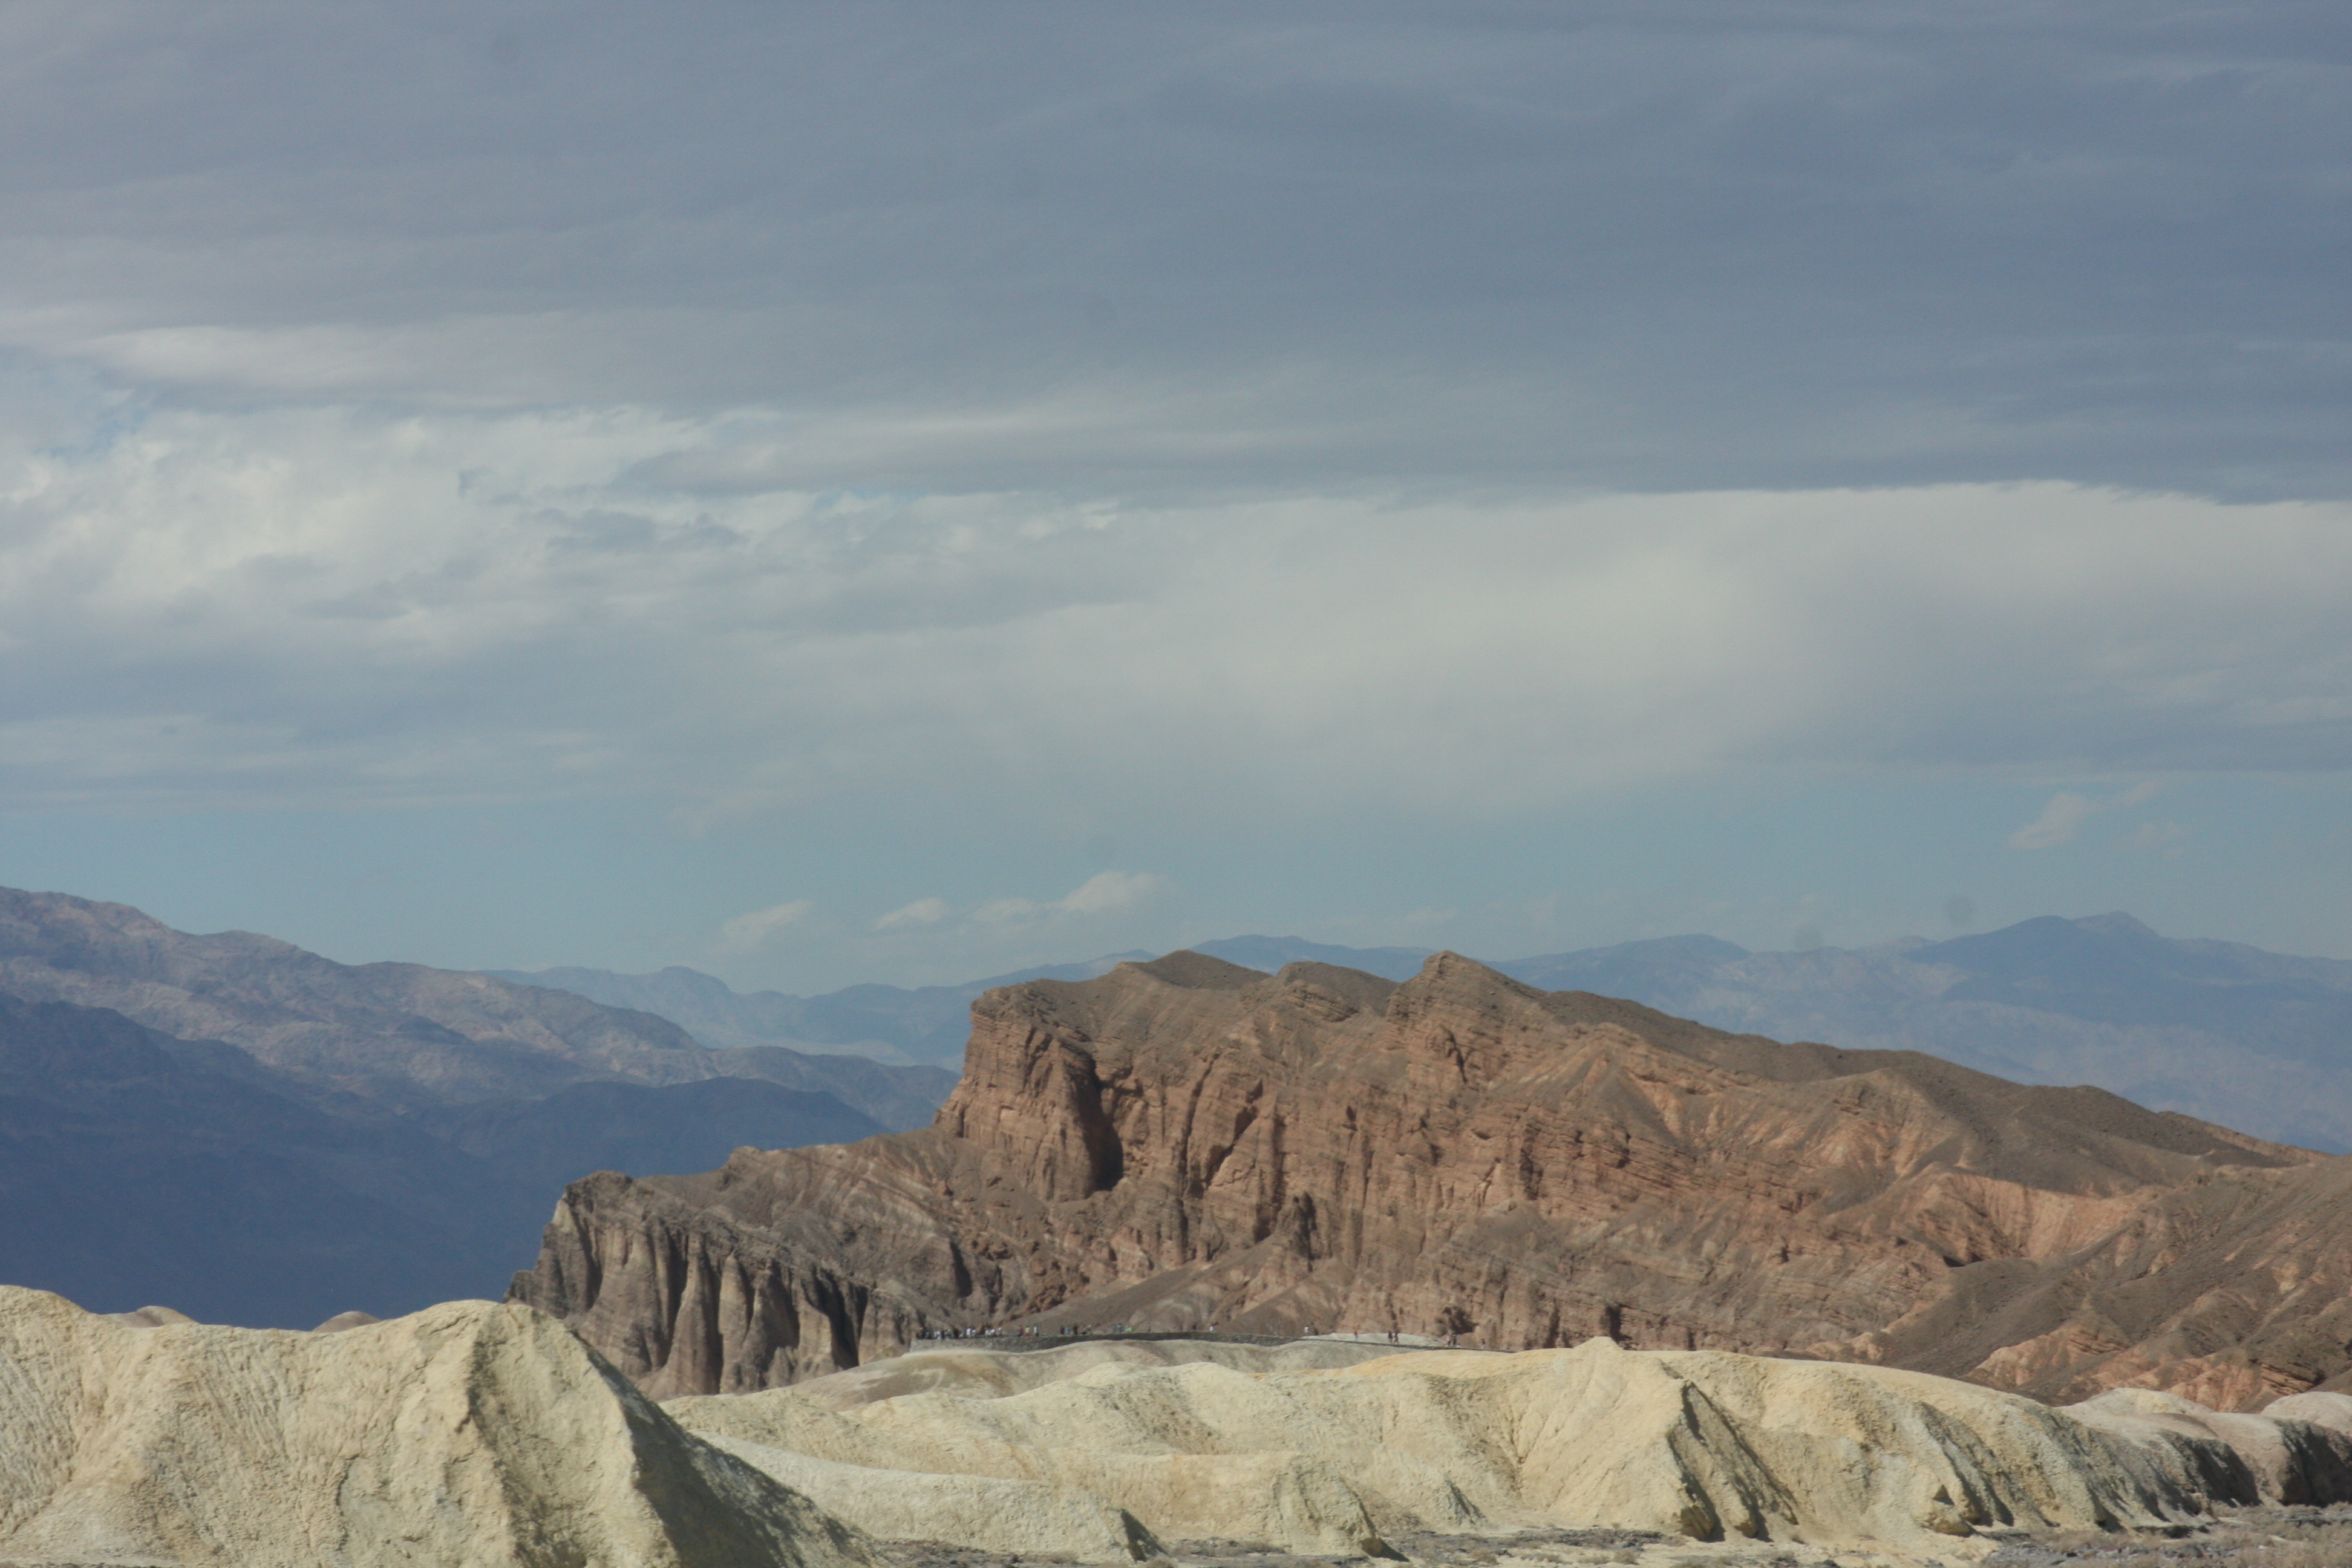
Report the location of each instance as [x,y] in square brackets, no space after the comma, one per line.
[894,492]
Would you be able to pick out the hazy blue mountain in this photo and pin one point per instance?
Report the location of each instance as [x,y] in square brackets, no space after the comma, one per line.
[232,1126]
[2113,970]
[1271,953]
[889,1024]
[131,1173]
[2254,1041]
[1635,970]
[139,1169]
[542,1145]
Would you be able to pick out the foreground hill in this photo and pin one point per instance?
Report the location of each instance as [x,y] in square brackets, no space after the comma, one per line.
[1323,1448]
[467,1437]
[474,1435]
[1188,1141]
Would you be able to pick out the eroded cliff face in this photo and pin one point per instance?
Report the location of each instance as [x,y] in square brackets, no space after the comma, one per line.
[1185,1142]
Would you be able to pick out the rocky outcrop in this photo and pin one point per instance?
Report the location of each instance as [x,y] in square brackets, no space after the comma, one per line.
[1186,1143]
[471,1435]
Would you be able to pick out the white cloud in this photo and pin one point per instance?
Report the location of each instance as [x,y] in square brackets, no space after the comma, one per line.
[749,932]
[2060,820]
[1105,893]
[1110,890]
[922,912]
[321,606]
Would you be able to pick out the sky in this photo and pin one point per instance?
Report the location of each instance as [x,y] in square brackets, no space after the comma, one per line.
[894,492]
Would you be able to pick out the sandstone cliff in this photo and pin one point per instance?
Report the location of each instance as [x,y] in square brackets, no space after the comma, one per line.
[1186,1141]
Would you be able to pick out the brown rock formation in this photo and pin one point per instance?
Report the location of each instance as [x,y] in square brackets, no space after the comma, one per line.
[1186,1142]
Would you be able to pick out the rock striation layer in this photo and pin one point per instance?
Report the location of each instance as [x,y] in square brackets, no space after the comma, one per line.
[1186,1142]
[470,1436]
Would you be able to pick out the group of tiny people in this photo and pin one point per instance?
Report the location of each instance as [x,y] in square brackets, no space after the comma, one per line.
[1031,1331]
[1022,1330]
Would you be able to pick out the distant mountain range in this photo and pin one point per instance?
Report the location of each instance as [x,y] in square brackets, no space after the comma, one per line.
[2255,1041]
[252,1133]
[884,1023]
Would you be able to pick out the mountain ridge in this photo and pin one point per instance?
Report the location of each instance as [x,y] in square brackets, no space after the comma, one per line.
[351,1146]
[2220,1030]
[384,1037]
[1186,1142]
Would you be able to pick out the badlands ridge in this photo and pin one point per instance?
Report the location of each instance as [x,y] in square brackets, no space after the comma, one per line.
[481,1435]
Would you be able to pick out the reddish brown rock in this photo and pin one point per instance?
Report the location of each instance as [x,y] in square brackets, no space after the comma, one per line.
[1186,1142]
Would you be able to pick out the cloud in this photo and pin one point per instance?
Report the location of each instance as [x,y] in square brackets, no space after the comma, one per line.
[1106,891]
[320,606]
[2066,812]
[2060,820]
[1190,411]
[1208,248]
[749,932]
[922,912]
